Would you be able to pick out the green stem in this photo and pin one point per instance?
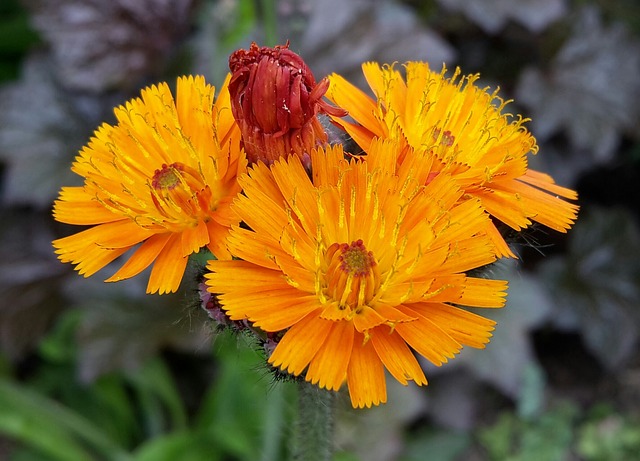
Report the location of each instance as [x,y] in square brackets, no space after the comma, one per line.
[313,438]
[270,22]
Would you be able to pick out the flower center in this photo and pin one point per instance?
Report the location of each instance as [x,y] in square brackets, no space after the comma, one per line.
[167,177]
[447,138]
[352,275]
[180,196]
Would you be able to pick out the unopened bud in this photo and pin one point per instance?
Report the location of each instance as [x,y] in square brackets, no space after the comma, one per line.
[275,100]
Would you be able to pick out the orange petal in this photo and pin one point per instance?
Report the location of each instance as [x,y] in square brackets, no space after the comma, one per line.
[367,318]
[75,206]
[194,238]
[300,344]
[365,375]
[274,310]
[141,259]
[545,182]
[391,314]
[253,247]
[542,207]
[361,107]
[222,116]
[227,276]
[96,236]
[196,124]
[332,311]
[506,206]
[260,212]
[396,356]
[445,288]
[361,135]
[463,326]
[217,244]
[387,84]
[462,221]
[303,278]
[293,181]
[83,250]
[500,245]
[169,267]
[483,293]
[328,368]
[427,338]
[468,254]
[125,235]
[92,258]
[326,164]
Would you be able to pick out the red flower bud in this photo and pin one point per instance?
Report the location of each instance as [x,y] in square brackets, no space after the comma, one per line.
[275,100]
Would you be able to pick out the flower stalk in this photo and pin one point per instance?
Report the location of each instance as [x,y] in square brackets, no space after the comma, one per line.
[313,437]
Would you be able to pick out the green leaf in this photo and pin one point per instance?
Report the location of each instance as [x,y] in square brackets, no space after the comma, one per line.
[59,345]
[245,408]
[243,19]
[185,446]
[609,437]
[42,436]
[440,445]
[48,426]
[154,384]
[546,438]
[549,438]
[345,456]
[498,439]
[16,37]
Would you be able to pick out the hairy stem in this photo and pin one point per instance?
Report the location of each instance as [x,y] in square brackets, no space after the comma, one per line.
[313,438]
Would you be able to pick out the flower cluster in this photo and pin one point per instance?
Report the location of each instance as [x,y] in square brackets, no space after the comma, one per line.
[349,264]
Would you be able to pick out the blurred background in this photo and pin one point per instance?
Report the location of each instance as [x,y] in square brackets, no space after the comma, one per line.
[90,371]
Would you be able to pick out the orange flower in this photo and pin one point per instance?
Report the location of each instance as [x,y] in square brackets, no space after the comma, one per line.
[163,177]
[357,268]
[275,100]
[466,135]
